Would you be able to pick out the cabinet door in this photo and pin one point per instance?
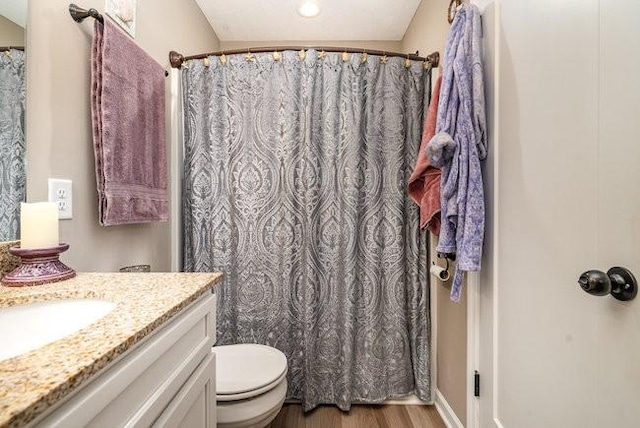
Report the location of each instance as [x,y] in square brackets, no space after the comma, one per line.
[195,405]
[137,388]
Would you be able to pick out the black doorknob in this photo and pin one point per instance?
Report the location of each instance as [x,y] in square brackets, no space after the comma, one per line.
[618,281]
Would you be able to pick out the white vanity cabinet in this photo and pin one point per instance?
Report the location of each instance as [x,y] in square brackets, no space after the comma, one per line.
[167,380]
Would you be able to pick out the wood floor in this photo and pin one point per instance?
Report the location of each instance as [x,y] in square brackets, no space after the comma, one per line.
[360,416]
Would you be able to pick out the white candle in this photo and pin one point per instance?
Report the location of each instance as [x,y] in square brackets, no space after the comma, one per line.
[39,225]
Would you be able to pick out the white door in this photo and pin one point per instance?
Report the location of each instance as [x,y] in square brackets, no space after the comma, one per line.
[565,199]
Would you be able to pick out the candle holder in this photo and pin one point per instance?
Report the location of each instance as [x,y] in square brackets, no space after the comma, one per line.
[39,266]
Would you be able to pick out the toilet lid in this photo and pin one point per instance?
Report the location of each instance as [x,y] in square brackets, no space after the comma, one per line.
[247,367]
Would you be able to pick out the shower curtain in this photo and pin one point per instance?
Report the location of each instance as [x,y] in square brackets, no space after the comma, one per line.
[295,189]
[12,141]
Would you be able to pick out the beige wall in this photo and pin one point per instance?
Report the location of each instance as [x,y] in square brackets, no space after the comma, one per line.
[428,29]
[11,34]
[451,346]
[427,33]
[383,45]
[59,139]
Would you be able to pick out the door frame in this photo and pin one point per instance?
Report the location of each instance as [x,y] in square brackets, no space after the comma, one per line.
[483,287]
[176,151]
[473,347]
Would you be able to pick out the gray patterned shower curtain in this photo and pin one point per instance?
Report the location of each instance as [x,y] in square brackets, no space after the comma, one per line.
[12,142]
[295,188]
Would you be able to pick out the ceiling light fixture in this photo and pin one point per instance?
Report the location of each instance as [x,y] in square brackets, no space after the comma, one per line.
[309,8]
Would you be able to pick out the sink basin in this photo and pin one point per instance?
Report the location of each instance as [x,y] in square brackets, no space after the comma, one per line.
[24,328]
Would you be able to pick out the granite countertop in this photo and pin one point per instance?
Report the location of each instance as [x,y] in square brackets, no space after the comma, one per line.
[32,382]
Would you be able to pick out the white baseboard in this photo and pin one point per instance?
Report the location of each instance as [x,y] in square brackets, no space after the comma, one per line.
[446,412]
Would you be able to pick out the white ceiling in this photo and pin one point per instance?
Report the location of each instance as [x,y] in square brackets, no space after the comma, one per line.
[263,20]
[14,10]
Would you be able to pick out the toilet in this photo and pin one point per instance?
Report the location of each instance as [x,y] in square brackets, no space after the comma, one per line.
[251,384]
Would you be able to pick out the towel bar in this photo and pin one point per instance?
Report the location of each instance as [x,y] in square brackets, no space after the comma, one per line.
[79,14]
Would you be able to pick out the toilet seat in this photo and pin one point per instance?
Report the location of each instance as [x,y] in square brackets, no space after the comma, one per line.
[247,370]
[253,393]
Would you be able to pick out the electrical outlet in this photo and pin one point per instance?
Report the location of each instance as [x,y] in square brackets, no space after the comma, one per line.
[60,192]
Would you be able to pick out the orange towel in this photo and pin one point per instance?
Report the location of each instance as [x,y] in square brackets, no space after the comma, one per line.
[424,183]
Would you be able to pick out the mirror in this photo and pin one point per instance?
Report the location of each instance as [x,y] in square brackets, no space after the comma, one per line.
[13,17]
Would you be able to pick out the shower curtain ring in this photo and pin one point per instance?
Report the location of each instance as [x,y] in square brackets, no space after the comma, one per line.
[363,59]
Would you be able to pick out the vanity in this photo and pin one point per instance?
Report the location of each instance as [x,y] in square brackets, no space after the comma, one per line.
[147,362]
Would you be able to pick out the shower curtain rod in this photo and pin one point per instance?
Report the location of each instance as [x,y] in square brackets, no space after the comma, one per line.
[8,48]
[176,59]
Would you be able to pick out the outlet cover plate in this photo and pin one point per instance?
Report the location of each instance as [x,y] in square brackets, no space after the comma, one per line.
[60,192]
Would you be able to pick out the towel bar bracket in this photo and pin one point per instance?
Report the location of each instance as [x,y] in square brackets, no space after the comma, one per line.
[79,14]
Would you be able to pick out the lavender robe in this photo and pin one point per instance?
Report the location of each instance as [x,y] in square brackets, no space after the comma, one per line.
[460,143]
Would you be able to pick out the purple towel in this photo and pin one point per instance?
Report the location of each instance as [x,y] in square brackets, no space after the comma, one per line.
[127,106]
